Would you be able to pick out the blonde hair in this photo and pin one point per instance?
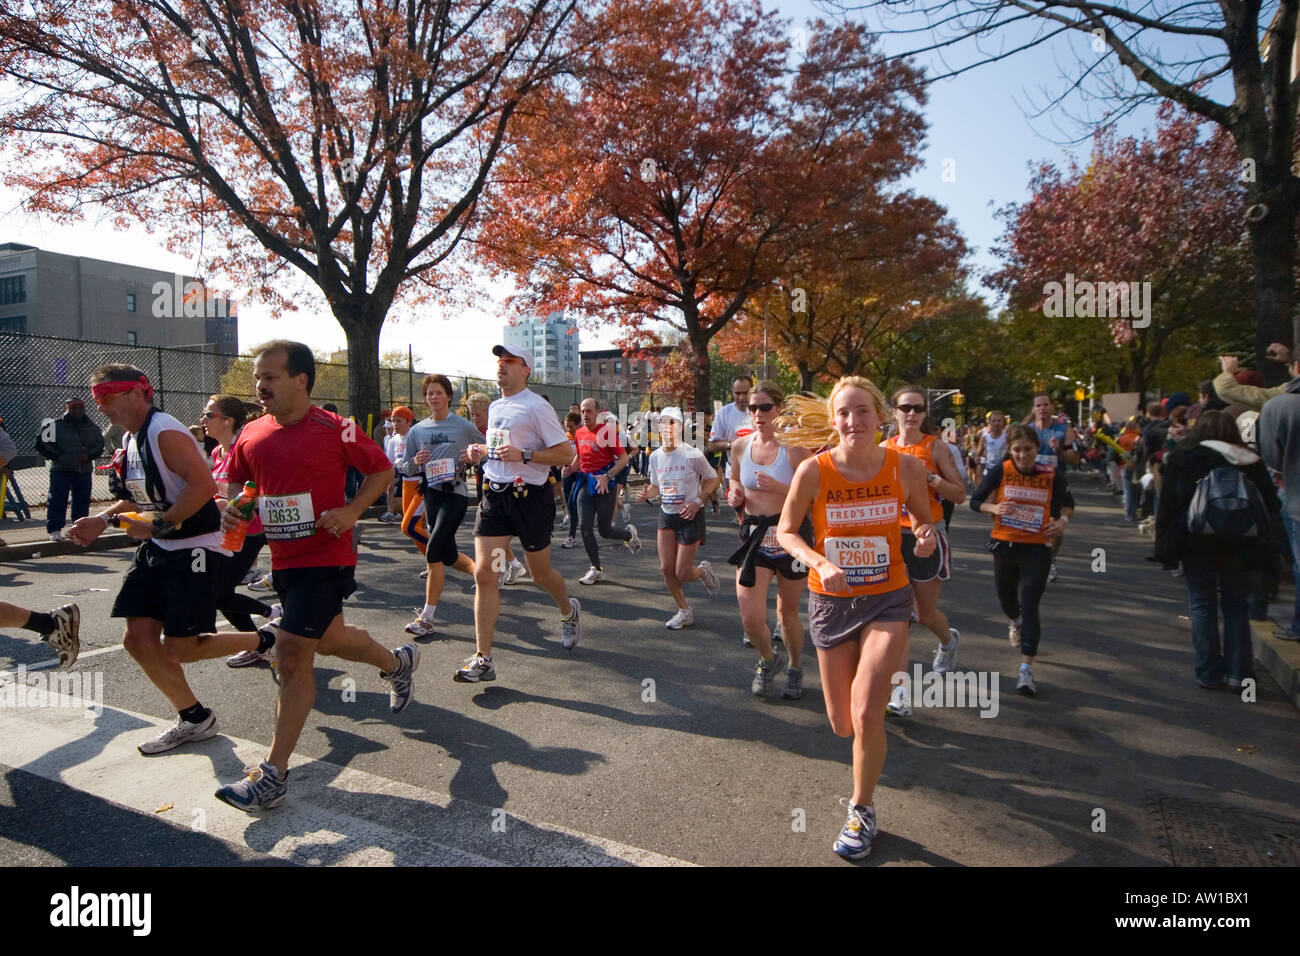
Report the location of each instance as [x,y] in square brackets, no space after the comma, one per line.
[468,402]
[808,421]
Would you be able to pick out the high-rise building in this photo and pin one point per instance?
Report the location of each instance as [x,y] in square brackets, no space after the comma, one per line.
[553,340]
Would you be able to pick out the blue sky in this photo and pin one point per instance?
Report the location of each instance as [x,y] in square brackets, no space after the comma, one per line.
[977,122]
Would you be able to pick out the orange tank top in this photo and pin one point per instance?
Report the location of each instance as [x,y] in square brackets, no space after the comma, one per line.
[856,526]
[924,450]
[1031,496]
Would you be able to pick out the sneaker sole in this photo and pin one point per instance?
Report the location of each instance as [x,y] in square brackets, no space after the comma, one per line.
[240,661]
[251,808]
[460,678]
[844,854]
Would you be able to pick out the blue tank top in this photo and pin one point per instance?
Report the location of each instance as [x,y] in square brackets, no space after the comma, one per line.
[779,470]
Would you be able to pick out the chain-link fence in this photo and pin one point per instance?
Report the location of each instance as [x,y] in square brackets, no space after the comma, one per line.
[38,374]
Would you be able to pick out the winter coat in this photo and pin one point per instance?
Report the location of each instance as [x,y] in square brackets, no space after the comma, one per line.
[72,439]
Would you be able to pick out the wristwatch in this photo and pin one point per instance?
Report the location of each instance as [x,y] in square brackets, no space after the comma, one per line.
[528,456]
[932,479]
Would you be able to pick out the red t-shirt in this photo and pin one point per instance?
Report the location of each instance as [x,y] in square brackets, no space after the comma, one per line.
[301,472]
[598,448]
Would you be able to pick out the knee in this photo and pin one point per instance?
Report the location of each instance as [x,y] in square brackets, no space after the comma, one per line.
[138,643]
[484,575]
[841,725]
[669,571]
[685,571]
[293,658]
[179,651]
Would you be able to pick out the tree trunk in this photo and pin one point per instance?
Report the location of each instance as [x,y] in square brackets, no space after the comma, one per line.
[1273,253]
[700,365]
[805,377]
[363,368]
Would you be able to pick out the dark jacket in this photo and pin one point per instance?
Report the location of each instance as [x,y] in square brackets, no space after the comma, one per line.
[1278,431]
[1184,467]
[72,440]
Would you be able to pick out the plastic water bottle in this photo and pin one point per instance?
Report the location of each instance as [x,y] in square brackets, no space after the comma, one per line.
[233,540]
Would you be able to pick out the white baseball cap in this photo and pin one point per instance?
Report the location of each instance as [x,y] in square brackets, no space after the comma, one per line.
[527,356]
[673,412]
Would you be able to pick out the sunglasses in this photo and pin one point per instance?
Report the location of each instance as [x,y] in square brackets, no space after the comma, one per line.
[212,415]
[919,409]
[763,407]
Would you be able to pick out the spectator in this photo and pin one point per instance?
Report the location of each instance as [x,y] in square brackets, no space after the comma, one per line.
[1217,567]
[1238,386]
[1130,440]
[70,444]
[1204,393]
[1278,431]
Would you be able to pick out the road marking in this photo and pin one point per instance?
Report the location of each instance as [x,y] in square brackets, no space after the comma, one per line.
[80,657]
[333,816]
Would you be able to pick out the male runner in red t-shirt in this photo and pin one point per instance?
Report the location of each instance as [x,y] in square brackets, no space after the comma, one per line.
[299,455]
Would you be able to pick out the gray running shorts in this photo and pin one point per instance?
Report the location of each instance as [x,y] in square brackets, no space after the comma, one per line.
[834,620]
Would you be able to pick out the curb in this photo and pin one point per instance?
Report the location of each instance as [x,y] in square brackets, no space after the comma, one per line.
[1281,658]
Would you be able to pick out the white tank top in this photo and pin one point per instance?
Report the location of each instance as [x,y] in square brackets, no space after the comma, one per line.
[779,470]
[173,484]
[994,448]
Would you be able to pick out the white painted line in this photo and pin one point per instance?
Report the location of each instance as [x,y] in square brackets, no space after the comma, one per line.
[333,816]
[80,657]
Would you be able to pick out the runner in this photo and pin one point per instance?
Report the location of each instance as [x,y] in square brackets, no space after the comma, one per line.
[299,455]
[60,628]
[633,449]
[682,480]
[570,475]
[433,451]
[732,422]
[400,421]
[1056,444]
[169,594]
[600,458]
[223,418]
[859,602]
[991,445]
[927,574]
[1031,504]
[476,406]
[523,440]
[762,469]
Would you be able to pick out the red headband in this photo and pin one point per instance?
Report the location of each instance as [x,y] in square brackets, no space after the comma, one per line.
[105,389]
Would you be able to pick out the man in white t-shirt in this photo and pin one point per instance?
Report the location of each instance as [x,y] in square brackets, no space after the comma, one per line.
[524,439]
[395,448]
[732,422]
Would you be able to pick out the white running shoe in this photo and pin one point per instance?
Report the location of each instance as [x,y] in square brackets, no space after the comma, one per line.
[592,576]
[899,703]
[633,543]
[946,656]
[419,627]
[65,640]
[181,732]
[569,543]
[684,617]
[1051,574]
[263,585]
[254,574]
[710,579]
[515,571]
[1013,634]
[571,626]
[1025,685]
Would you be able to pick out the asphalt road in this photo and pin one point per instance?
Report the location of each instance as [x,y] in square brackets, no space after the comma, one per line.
[567,757]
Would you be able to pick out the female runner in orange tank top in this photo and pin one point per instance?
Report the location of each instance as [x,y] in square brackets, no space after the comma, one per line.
[927,576]
[860,601]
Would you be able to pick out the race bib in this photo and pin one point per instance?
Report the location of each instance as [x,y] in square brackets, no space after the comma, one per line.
[1023,517]
[1047,460]
[769,546]
[496,437]
[864,559]
[287,517]
[671,494]
[440,470]
[136,487]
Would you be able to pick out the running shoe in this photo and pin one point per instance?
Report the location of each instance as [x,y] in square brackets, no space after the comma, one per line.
[263,585]
[684,617]
[419,627]
[262,789]
[389,518]
[571,626]
[65,638]
[400,686]
[592,576]
[767,671]
[744,639]
[946,656]
[776,633]
[181,732]
[858,833]
[710,579]
[633,543]
[514,571]
[244,659]
[626,512]
[900,704]
[569,542]
[56,535]
[424,575]
[1287,635]
[254,574]
[793,683]
[1013,634]
[1051,574]
[475,669]
[1025,685]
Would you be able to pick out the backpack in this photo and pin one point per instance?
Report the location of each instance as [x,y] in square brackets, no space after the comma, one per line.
[1226,504]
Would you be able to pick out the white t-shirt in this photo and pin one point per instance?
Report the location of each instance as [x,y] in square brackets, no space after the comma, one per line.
[524,420]
[679,475]
[173,484]
[394,446]
[729,424]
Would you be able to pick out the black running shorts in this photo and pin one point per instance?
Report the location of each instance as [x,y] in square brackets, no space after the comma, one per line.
[179,588]
[530,517]
[693,531]
[312,597]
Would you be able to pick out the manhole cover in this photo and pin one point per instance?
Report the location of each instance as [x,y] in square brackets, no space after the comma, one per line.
[1203,834]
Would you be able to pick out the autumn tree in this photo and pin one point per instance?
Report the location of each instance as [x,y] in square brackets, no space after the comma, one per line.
[651,188]
[345,143]
[1172,50]
[1164,211]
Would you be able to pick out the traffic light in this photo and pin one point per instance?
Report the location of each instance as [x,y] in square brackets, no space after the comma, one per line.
[958,399]
[1080,394]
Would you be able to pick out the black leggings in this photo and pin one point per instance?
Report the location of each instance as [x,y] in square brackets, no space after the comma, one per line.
[235,607]
[571,501]
[443,513]
[1020,577]
[592,507]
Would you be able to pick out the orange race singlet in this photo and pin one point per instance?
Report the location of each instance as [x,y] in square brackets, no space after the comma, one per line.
[1031,496]
[924,450]
[856,527]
